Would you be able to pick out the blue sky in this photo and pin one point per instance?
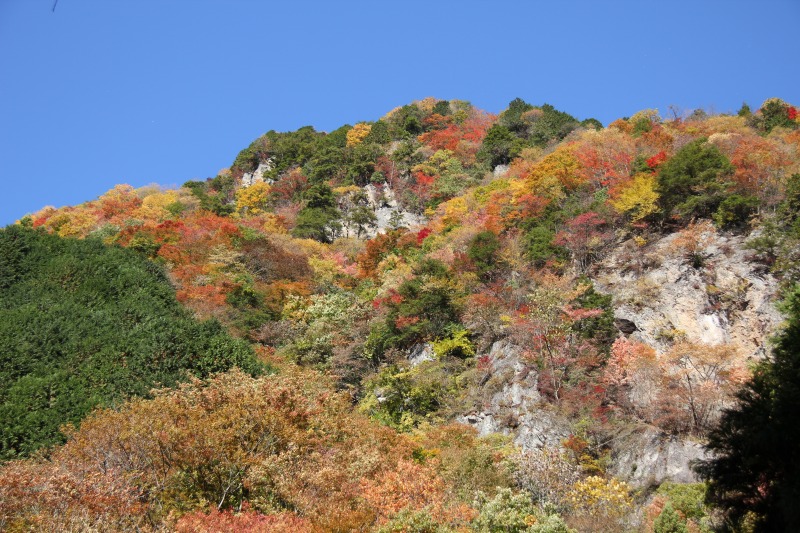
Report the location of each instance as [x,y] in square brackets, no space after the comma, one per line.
[102,92]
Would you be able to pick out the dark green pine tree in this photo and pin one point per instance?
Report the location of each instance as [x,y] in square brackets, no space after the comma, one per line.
[319,219]
[754,471]
[669,521]
[692,183]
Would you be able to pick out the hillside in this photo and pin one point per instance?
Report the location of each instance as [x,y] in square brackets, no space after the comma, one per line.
[521,322]
[82,325]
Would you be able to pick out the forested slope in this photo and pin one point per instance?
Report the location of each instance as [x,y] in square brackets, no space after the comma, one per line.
[582,295]
[83,324]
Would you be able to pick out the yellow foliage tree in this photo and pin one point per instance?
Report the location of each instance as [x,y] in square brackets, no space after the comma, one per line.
[426,104]
[638,197]
[154,205]
[75,222]
[560,164]
[454,211]
[439,163]
[358,133]
[600,504]
[252,200]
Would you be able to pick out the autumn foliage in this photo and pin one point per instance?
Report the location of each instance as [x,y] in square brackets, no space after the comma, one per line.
[489,234]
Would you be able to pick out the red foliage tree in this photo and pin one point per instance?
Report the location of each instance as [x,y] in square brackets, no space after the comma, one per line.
[584,236]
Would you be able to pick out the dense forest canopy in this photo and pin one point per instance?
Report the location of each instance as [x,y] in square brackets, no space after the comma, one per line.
[83,324]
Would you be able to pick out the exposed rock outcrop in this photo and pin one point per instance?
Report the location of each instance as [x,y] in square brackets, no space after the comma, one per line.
[420,353]
[702,288]
[513,404]
[249,178]
[648,457]
[388,211]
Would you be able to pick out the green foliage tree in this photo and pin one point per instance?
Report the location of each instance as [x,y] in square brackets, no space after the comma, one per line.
[406,122]
[361,163]
[692,183]
[482,251]
[790,207]
[499,146]
[669,521]
[507,511]
[362,217]
[406,155]
[511,118]
[379,134]
[734,211]
[327,163]
[419,521]
[592,123]
[290,149]
[215,195]
[745,110]
[551,125]
[755,459]
[778,242]
[774,113]
[510,512]
[319,219]
[688,499]
[428,295]
[402,397]
[600,328]
[423,309]
[82,325]
[539,245]
[248,159]
[442,107]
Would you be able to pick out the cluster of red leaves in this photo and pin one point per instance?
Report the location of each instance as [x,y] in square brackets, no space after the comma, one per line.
[289,188]
[423,234]
[603,169]
[375,250]
[412,486]
[394,298]
[464,140]
[64,496]
[657,160]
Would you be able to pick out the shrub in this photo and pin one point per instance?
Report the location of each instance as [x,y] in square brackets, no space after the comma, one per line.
[456,345]
[669,521]
[734,211]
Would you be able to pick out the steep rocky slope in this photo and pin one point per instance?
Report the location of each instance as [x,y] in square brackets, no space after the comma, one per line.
[698,286]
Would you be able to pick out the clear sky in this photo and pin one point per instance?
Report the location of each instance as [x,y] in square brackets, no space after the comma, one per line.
[100,92]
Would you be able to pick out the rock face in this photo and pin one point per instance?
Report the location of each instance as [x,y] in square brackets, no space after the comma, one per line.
[420,353]
[250,178]
[383,202]
[648,457]
[711,293]
[513,404]
[702,288]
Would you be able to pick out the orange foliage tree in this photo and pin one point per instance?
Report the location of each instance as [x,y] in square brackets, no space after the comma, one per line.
[277,444]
